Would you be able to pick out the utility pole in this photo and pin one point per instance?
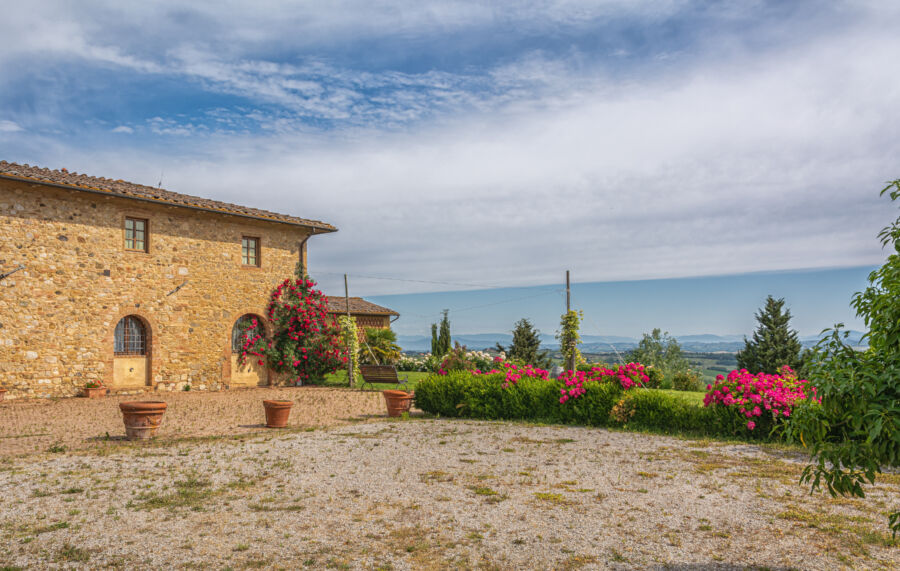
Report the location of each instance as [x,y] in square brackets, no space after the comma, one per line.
[570,359]
[350,362]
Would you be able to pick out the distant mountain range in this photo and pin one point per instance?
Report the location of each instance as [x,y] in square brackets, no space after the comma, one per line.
[703,343]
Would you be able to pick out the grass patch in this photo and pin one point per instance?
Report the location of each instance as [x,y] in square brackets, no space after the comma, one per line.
[191,492]
[69,552]
[552,498]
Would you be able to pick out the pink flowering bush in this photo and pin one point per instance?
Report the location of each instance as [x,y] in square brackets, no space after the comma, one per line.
[758,402]
[513,373]
[628,376]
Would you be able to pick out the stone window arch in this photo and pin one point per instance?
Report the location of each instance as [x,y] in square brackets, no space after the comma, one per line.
[246,327]
[131,337]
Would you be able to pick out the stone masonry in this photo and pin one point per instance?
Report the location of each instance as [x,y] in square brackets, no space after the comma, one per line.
[57,317]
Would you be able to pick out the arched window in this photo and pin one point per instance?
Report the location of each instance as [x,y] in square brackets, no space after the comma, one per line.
[131,336]
[247,327]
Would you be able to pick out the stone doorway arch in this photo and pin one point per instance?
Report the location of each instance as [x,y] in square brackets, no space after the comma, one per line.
[131,353]
[251,373]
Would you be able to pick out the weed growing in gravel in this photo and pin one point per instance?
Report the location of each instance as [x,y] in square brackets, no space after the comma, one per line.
[71,553]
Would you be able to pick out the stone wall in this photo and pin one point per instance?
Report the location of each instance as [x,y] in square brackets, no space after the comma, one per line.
[57,317]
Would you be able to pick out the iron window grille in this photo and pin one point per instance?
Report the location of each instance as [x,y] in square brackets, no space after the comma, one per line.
[136,234]
[243,331]
[250,251]
[131,337]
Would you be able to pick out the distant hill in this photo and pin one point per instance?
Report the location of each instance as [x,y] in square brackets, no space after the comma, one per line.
[699,343]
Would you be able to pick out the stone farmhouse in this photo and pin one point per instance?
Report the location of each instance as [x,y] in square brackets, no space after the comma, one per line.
[366,313]
[136,287]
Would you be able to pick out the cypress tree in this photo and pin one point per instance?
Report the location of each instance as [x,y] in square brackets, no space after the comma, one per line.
[444,336]
[774,344]
[435,348]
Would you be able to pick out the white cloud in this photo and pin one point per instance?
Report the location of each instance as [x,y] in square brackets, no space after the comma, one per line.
[7,126]
[745,159]
[123,129]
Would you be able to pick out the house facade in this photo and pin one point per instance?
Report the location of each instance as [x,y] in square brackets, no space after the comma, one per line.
[135,287]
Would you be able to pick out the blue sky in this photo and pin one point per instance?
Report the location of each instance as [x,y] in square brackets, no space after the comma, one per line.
[490,143]
[721,305]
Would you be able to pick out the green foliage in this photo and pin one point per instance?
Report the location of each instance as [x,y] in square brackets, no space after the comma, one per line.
[569,338]
[774,344]
[440,342]
[350,341]
[655,379]
[662,352]
[647,409]
[381,349]
[687,381]
[855,432]
[526,346]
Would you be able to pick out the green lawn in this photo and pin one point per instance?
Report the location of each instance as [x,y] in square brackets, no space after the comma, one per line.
[693,397]
[339,379]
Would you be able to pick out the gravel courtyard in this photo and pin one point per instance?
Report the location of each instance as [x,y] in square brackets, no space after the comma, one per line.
[432,494]
[34,425]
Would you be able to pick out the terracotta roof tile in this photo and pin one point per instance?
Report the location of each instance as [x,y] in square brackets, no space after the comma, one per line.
[358,306]
[138,191]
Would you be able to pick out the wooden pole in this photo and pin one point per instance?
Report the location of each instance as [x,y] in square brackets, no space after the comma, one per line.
[350,368]
[570,359]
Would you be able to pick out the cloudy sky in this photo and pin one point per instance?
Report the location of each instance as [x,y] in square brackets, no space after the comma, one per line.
[482,143]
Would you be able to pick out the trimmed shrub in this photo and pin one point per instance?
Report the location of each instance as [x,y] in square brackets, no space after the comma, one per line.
[688,381]
[648,409]
[492,396]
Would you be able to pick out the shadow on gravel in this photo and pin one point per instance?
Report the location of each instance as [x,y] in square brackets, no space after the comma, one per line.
[715,567]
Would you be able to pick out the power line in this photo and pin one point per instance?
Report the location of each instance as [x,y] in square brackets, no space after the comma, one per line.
[482,286]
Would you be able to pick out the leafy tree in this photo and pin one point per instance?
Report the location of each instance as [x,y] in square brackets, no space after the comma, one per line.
[305,343]
[569,338]
[440,342]
[381,349]
[526,345]
[662,352]
[774,344]
[855,432]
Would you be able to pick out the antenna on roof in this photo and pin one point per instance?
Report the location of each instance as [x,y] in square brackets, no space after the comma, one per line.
[159,186]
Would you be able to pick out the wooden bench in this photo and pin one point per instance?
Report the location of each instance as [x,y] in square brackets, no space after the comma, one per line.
[382,374]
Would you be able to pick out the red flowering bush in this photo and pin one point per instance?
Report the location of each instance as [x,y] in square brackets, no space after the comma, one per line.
[628,376]
[305,343]
[760,401]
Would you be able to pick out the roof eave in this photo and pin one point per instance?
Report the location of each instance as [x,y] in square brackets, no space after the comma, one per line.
[317,228]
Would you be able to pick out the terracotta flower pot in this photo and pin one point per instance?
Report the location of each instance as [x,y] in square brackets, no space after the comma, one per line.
[397,402]
[142,418]
[94,392]
[277,412]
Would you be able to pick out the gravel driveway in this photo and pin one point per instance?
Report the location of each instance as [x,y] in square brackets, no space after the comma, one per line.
[433,494]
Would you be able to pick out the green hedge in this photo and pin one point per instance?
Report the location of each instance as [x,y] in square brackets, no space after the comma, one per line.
[460,394]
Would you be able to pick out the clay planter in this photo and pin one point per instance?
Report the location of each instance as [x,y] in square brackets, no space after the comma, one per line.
[94,392]
[142,418]
[397,402]
[277,412]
